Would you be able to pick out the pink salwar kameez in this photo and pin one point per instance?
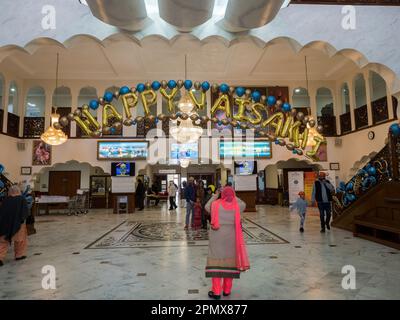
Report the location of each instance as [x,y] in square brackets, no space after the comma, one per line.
[227,254]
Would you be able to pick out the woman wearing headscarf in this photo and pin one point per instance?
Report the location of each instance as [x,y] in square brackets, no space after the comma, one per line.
[13,213]
[227,254]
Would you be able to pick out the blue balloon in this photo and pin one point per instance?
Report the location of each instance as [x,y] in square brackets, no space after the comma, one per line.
[368,166]
[395,129]
[140,87]
[352,197]
[372,171]
[1,184]
[156,85]
[271,101]
[93,104]
[224,88]
[349,186]
[188,84]
[362,172]
[205,86]
[256,95]
[240,91]
[1,168]
[286,107]
[171,84]
[276,141]
[124,90]
[108,96]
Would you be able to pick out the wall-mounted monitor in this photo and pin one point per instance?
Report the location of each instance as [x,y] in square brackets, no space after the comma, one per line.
[183,151]
[123,169]
[245,149]
[122,150]
[245,167]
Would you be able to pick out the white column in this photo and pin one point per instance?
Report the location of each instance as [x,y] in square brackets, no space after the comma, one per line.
[352,99]
[313,102]
[390,103]
[6,95]
[49,90]
[336,111]
[22,107]
[368,95]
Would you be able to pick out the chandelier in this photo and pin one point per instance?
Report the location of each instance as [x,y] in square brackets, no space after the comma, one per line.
[53,136]
[186,131]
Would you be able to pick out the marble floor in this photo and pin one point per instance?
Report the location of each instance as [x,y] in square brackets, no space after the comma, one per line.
[305,266]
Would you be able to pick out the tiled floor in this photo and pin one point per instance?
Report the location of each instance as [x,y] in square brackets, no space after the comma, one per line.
[307,267]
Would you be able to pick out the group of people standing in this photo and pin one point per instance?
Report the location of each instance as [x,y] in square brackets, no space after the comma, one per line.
[196,197]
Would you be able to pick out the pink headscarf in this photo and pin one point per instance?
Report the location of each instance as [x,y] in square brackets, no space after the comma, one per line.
[228,202]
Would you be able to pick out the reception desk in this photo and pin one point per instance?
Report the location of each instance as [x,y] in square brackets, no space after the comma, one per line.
[249,197]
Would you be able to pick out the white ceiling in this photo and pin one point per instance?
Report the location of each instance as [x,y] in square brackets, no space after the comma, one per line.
[157,59]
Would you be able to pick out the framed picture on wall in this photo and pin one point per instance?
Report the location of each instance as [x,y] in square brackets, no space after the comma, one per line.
[334,166]
[26,171]
[41,153]
[322,153]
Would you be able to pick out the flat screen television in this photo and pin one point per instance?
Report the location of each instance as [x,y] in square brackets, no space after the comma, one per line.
[183,151]
[241,150]
[245,167]
[122,150]
[122,169]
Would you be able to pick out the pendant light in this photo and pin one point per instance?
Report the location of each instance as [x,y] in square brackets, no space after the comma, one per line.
[53,136]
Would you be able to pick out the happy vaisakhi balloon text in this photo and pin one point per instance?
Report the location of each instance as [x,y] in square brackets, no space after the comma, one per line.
[286,122]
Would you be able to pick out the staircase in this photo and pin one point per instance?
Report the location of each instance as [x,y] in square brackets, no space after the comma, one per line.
[369,204]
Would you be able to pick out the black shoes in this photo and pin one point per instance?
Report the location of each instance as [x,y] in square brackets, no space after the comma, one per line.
[322,230]
[1,263]
[20,258]
[226,294]
[301,229]
[328,227]
[212,295]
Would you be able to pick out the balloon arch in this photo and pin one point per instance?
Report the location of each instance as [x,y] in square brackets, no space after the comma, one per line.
[286,122]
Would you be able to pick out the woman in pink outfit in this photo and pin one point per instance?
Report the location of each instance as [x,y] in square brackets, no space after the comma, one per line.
[227,254]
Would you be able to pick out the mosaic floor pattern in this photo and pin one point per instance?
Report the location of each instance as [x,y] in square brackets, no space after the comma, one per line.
[133,234]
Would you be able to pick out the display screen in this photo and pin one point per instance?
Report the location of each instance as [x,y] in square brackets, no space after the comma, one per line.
[123,169]
[245,149]
[245,167]
[121,150]
[183,151]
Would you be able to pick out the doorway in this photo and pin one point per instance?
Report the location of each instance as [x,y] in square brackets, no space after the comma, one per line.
[64,183]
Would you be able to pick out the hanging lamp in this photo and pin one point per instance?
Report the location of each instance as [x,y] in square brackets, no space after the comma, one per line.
[53,136]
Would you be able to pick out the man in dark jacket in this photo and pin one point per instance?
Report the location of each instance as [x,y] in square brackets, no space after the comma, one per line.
[322,194]
[190,196]
[139,195]
[13,213]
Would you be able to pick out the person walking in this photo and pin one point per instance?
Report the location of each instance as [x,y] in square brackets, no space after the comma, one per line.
[301,207]
[322,194]
[172,195]
[190,196]
[13,213]
[139,195]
